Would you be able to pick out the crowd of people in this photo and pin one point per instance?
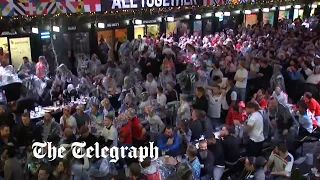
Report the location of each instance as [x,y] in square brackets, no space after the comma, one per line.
[212,103]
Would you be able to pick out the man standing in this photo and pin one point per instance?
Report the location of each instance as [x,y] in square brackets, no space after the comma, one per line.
[116,48]
[206,160]
[192,153]
[95,65]
[109,132]
[313,106]
[196,126]
[254,127]
[241,78]
[215,146]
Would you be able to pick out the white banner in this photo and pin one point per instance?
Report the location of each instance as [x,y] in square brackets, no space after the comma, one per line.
[19,48]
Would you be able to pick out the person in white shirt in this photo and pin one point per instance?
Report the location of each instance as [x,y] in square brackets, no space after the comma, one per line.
[155,123]
[281,96]
[184,109]
[306,24]
[315,77]
[151,85]
[161,97]
[109,132]
[254,127]
[282,162]
[241,78]
[215,103]
[67,120]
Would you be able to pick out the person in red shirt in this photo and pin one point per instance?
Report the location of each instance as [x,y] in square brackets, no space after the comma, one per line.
[260,98]
[313,106]
[237,114]
[239,44]
[125,133]
[138,131]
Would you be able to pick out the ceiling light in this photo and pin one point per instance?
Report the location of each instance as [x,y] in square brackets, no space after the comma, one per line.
[218,14]
[237,12]
[282,8]
[198,16]
[170,19]
[101,25]
[55,29]
[247,12]
[208,14]
[137,21]
[265,10]
[288,7]
[159,19]
[226,13]
[297,6]
[256,10]
[35,30]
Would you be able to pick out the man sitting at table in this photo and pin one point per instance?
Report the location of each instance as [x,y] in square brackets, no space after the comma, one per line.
[67,120]
[169,141]
[81,117]
[25,132]
[281,160]
[49,127]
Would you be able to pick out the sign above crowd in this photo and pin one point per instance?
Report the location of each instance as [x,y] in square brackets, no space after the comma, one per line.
[45,7]
[135,4]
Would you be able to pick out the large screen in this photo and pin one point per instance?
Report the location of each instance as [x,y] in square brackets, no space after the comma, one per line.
[19,47]
[251,19]
[268,17]
[197,28]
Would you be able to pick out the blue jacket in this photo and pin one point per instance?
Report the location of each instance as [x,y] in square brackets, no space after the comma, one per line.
[294,75]
[162,143]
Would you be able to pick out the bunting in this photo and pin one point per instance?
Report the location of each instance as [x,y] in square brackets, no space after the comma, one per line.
[43,7]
